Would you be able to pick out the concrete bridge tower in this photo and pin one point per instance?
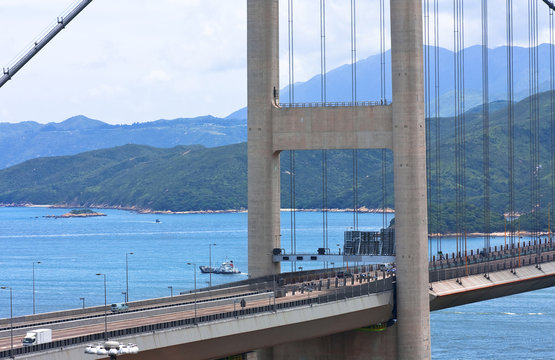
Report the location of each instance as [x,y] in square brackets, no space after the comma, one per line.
[399,127]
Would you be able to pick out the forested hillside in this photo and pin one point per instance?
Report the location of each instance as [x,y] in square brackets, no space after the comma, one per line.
[198,178]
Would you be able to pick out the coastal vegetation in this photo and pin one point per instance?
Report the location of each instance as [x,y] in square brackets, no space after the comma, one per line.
[80,213]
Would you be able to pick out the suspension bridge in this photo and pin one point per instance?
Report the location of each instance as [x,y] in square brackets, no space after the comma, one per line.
[301,312]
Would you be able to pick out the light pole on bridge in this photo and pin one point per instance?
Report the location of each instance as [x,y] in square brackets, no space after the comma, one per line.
[34,262]
[127,277]
[195,280]
[11,320]
[105,305]
[210,260]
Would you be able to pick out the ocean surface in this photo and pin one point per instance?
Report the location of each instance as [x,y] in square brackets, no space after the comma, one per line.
[73,250]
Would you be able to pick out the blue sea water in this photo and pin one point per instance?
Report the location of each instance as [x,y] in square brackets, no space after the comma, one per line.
[72,251]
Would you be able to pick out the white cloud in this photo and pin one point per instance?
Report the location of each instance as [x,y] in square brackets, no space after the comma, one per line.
[157,75]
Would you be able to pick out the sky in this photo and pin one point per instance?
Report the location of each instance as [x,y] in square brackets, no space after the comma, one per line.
[130,61]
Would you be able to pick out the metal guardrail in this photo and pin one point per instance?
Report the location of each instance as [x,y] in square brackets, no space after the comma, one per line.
[363,289]
[334,104]
[483,263]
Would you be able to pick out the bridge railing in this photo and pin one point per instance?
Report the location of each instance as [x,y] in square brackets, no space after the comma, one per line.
[339,293]
[509,257]
[334,104]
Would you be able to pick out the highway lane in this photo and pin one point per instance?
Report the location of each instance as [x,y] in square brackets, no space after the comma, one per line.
[136,318]
[134,306]
[147,317]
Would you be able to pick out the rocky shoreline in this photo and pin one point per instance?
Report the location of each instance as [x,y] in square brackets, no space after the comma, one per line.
[72,215]
[230,211]
[150,211]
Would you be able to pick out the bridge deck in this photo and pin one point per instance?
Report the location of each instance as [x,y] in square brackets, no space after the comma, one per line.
[302,302]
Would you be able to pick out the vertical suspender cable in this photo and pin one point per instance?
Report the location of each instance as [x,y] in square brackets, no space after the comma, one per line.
[323,100]
[383,81]
[292,187]
[463,128]
[291,55]
[292,152]
[460,153]
[383,101]
[535,205]
[323,84]
[485,115]
[354,103]
[552,102]
[437,126]
[456,73]
[537,125]
[510,119]
[353,54]
[427,103]
[531,116]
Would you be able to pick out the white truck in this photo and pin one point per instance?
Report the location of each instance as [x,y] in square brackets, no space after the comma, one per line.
[39,336]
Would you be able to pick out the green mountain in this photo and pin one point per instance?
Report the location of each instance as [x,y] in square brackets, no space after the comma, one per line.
[133,176]
[29,140]
[197,178]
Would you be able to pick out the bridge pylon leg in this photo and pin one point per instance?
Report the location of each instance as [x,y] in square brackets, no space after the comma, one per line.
[263,162]
[409,161]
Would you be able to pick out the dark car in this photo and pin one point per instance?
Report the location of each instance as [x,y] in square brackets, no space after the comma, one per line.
[342,274]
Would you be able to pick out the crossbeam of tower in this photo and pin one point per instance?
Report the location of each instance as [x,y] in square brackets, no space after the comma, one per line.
[399,127]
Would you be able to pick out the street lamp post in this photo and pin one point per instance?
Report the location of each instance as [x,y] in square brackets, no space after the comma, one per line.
[105,306]
[195,278]
[83,300]
[210,260]
[127,277]
[34,262]
[171,290]
[11,320]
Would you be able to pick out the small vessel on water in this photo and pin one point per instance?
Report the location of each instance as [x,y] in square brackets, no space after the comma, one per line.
[226,267]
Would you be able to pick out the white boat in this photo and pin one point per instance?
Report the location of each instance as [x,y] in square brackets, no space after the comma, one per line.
[226,267]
